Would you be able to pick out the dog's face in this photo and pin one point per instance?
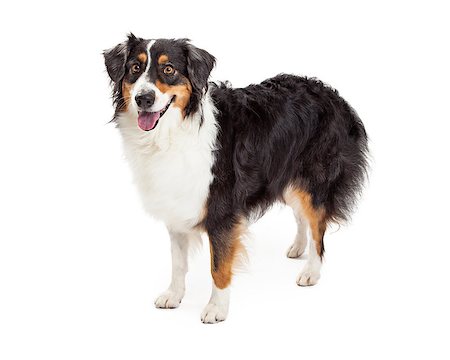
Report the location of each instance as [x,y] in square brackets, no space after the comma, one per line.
[150,76]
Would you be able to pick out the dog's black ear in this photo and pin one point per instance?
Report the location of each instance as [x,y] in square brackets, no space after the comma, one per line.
[115,59]
[199,66]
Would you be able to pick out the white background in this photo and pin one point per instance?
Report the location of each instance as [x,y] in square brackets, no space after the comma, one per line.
[80,262]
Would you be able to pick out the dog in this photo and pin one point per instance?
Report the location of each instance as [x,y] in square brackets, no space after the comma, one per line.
[207,158]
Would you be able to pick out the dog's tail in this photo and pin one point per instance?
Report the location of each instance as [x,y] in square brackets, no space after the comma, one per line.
[354,171]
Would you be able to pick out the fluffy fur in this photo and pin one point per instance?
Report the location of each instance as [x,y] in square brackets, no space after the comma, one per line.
[213,156]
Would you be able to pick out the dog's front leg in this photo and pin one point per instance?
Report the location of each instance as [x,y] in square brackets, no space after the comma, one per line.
[171,298]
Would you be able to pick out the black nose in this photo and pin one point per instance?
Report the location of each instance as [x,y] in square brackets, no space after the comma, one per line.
[144,101]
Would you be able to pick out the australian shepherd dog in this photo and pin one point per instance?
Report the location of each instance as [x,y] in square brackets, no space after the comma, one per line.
[207,158]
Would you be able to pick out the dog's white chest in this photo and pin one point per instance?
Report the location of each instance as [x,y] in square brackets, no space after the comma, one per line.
[172,170]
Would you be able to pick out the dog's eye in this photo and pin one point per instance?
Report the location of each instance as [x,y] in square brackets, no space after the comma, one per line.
[168,70]
[135,69]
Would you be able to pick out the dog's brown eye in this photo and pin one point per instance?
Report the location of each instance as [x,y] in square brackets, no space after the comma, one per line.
[168,70]
[135,68]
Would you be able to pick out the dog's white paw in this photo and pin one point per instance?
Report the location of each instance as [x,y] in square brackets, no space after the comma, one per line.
[296,250]
[214,313]
[309,276]
[168,300]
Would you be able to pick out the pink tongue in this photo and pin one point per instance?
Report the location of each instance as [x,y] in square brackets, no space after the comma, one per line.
[147,120]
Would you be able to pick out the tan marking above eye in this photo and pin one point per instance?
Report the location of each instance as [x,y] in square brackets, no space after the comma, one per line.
[135,68]
[142,57]
[169,70]
[163,59]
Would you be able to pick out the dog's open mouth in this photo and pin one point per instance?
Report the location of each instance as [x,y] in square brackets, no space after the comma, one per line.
[148,120]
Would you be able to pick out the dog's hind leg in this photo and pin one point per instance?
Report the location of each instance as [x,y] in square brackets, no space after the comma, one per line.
[298,247]
[315,216]
[225,247]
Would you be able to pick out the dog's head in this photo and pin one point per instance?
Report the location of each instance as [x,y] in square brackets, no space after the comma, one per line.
[151,76]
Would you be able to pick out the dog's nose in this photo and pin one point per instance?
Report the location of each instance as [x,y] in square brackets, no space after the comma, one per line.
[146,100]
